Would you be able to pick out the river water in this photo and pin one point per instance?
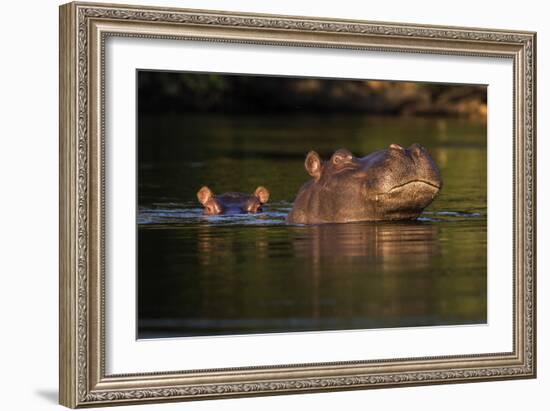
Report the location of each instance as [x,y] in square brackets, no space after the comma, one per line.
[216,275]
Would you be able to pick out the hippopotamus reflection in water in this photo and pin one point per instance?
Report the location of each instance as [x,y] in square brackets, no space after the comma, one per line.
[392,184]
[232,203]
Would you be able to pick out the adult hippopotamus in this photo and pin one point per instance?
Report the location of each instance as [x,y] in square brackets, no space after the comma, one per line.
[392,184]
[232,203]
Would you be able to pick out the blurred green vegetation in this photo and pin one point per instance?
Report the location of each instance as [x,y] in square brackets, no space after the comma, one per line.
[177,92]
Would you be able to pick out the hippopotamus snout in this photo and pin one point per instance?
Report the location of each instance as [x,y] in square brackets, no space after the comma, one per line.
[396,183]
[424,168]
[412,188]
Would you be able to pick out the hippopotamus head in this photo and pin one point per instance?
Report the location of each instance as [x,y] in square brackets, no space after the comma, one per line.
[232,203]
[392,184]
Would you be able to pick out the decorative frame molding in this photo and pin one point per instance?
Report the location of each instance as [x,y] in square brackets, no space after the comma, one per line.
[83,30]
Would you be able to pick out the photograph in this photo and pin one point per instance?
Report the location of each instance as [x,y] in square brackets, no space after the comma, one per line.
[284,204]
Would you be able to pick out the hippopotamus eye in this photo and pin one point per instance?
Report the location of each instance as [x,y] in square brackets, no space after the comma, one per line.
[340,159]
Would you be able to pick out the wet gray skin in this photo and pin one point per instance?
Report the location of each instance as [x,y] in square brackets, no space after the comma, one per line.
[392,184]
[232,203]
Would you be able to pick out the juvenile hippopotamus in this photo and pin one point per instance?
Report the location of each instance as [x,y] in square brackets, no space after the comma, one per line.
[232,203]
[392,184]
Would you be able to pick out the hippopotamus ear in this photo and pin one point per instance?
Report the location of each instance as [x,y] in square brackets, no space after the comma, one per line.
[204,194]
[262,194]
[313,164]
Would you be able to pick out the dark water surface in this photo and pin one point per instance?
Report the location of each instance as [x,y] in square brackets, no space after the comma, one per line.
[215,275]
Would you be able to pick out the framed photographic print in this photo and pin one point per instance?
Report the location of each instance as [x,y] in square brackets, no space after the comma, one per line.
[259,204]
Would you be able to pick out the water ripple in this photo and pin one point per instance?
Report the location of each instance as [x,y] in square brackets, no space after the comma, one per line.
[274,214]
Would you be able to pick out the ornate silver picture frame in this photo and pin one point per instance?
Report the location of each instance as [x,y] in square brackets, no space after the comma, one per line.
[84,29]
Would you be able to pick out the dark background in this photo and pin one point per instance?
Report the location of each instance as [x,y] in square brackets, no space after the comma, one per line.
[177,92]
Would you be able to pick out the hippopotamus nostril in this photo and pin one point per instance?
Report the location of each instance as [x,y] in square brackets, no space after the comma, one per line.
[416,149]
